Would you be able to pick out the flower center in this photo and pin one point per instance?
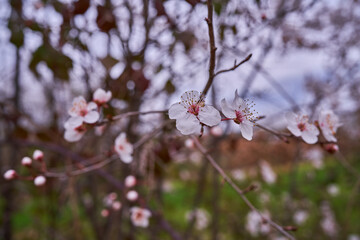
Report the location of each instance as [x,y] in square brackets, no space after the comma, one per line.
[302,126]
[239,117]
[138,216]
[83,112]
[121,147]
[194,109]
[80,128]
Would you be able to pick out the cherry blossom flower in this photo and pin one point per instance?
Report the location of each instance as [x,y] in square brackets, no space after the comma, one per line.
[240,111]
[267,173]
[132,195]
[101,97]
[87,112]
[140,216]
[329,123]
[10,174]
[116,205]
[299,126]
[191,112]
[74,129]
[130,181]
[39,181]
[38,155]
[26,161]
[201,217]
[300,217]
[105,213]
[124,148]
[255,224]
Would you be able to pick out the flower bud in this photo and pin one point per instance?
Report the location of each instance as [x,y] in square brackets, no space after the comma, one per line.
[10,174]
[26,161]
[116,205]
[331,148]
[38,155]
[130,181]
[105,213]
[39,181]
[132,195]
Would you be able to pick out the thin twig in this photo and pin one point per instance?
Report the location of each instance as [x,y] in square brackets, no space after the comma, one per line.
[238,190]
[235,65]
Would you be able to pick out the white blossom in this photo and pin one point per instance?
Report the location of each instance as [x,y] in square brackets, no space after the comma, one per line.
[39,181]
[10,174]
[255,224]
[267,172]
[240,111]
[329,123]
[124,148]
[26,161]
[299,126]
[38,155]
[191,112]
[87,112]
[100,96]
[238,174]
[140,216]
[300,217]
[333,190]
[200,216]
[116,205]
[132,195]
[216,131]
[74,129]
[130,181]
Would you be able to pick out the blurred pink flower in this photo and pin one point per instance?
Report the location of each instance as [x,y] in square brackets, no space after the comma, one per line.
[329,123]
[10,174]
[74,129]
[100,96]
[299,125]
[130,181]
[87,112]
[124,148]
[39,181]
[191,112]
[140,216]
[26,161]
[38,155]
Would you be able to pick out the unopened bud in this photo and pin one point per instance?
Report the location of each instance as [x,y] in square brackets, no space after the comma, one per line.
[26,161]
[38,155]
[116,205]
[39,181]
[10,174]
[105,213]
[132,195]
[130,181]
[331,148]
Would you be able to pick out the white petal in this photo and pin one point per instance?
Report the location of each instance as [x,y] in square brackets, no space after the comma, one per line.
[227,110]
[312,128]
[294,129]
[291,117]
[73,122]
[120,139]
[91,106]
[246,131]
[126,158]
[98,94]
[190,97]
[309,137]
[329,136]
[177,110]
[238,103]
[209,116]
[188,125]
[71,135]
[91,117]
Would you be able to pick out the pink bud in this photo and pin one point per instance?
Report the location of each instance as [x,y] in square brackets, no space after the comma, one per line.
[38,155]
[39,181]
[26,161]
[10,174]
[116,205]
[112,196]
[105,213]
[132,195]
[331,148]
[130,181]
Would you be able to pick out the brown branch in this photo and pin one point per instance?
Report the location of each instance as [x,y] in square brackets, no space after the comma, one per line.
[235,65]
[238,190]
[209,21]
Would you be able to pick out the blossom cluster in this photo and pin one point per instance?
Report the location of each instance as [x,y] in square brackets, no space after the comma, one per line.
[37,172]
[84,114]
[192,114]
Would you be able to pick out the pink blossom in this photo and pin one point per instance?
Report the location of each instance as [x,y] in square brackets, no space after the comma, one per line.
[299,125]
[132,195]
[140,216]
[101,97]
[38,155]
[39,181]
[116,205]
[124,148]
[192,112]
[10,174]
[83,110]
[26,161]
[240,111]
[130,181]
[74,129]
[329,123]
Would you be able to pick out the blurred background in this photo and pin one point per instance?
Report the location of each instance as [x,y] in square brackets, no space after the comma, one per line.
[305,58]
